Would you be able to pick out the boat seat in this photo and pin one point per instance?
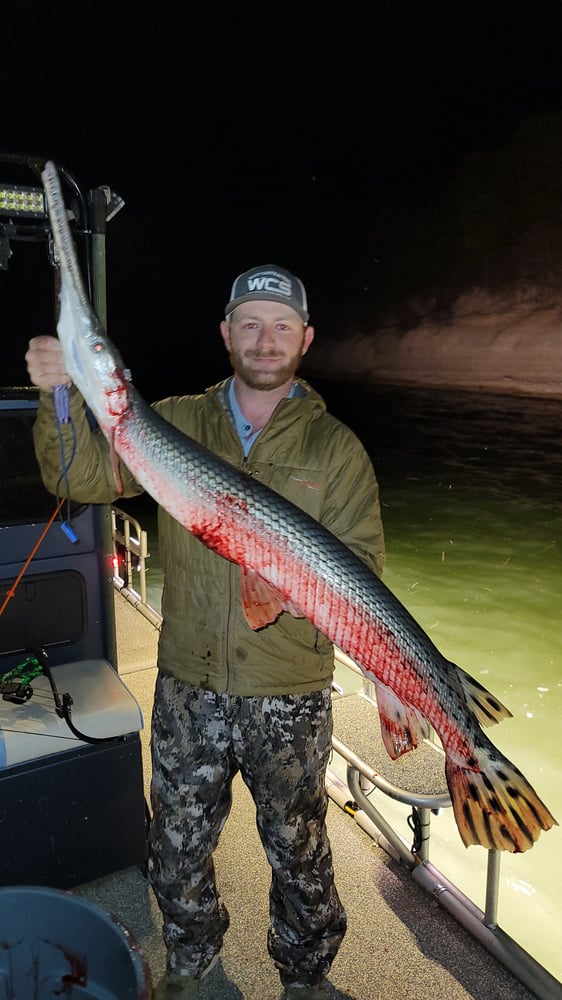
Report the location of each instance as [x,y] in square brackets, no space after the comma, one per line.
[102,707]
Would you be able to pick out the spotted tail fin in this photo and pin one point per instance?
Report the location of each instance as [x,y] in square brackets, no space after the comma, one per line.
[494,804]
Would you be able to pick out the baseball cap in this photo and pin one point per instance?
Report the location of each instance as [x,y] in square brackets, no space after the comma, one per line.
[269,283]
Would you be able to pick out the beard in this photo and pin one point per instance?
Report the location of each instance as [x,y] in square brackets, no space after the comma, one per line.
[246,368]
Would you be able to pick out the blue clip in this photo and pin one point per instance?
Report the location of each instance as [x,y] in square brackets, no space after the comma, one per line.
[69,532]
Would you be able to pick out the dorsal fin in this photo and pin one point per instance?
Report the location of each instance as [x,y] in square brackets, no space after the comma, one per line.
[487,708]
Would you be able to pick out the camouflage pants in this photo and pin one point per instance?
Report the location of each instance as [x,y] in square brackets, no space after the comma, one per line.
[281,745]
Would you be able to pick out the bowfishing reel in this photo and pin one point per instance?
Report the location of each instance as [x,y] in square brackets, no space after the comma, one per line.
[15,685]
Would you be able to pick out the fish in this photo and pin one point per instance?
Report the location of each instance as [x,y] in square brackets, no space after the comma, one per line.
[291,563]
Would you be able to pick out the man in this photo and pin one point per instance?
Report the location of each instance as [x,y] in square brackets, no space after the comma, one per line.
[228,698]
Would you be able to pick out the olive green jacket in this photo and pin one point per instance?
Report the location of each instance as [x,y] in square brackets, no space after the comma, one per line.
[303,453]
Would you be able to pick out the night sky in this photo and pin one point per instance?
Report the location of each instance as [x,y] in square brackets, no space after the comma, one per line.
[260,136]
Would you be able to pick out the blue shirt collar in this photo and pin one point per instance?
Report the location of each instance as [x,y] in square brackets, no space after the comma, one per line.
[244,429]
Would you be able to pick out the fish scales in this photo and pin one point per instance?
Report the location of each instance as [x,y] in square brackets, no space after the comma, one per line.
[304,569]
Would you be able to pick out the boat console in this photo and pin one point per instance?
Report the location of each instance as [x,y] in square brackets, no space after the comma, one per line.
[72,802]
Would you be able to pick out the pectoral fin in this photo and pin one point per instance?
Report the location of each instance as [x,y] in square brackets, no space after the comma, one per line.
[262,604]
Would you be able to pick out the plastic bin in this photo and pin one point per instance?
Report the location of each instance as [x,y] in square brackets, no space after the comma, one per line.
[55,944]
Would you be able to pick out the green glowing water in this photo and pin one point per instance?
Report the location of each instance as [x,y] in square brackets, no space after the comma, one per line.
[471,488]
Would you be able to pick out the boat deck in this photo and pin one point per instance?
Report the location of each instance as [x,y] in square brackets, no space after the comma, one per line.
[400,944]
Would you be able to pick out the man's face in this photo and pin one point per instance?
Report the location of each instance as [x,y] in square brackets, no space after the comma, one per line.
[266,342]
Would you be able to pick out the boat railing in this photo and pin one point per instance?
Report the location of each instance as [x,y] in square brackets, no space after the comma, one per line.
[425,790]
[130,552]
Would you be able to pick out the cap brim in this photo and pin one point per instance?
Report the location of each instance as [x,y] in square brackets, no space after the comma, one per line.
[234,303]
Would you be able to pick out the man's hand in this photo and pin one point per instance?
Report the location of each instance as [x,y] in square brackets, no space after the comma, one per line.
[45,363]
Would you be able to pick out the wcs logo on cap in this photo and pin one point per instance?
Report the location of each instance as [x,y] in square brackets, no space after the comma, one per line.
[271,284]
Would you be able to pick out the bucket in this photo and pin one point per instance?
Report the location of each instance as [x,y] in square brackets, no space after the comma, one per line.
[56,945]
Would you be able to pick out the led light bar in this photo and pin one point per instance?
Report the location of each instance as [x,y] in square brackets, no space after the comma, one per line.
[23,202]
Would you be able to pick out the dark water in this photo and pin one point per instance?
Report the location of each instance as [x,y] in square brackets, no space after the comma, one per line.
[471,492]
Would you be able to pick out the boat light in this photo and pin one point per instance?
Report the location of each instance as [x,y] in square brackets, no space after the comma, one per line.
[22,201]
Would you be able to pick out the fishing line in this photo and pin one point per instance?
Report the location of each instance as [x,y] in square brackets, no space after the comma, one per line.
[11,592]
[62,410]
[33,732]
